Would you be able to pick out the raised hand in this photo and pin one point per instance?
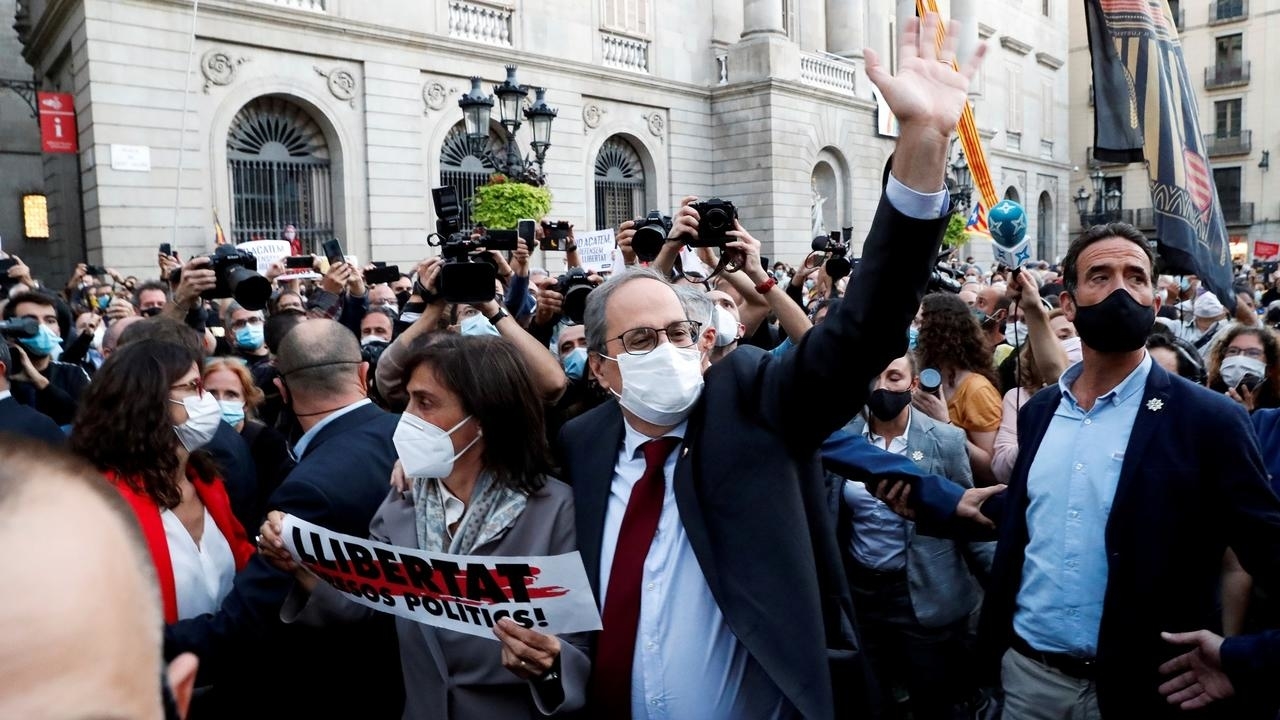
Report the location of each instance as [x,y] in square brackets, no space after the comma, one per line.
[927,90]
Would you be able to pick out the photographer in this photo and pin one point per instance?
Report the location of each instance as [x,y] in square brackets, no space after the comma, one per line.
[342,296]
[18,419]
[42,382]
[546,372]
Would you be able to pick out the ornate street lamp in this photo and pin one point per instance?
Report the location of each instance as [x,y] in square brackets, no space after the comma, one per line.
[964,181]
[1081,199]
[477,110]
[1112,203]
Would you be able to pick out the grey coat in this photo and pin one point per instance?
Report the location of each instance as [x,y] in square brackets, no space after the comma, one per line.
[454,675]
[940,572]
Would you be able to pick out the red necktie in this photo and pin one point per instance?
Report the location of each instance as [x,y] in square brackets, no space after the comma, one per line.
[615,650]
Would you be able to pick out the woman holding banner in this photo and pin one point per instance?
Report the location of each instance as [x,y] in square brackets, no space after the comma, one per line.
[471,444]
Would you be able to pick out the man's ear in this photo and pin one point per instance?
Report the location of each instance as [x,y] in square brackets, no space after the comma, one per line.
[1068,304]
[284,391]
[595,362]
[181,674]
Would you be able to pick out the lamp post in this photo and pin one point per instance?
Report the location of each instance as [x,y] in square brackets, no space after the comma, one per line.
[963,178]
[1106,204]
[477,111]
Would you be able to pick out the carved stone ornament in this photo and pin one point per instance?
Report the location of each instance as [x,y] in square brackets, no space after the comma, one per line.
[592,114]
[657,124]
[342,84]
[436,95]
[219,68]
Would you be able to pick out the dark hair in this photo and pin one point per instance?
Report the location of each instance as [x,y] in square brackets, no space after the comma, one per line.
[490,380]
[123,424]
[277,327]
[1190,364]
[149,285]
[48,299]
[829,304]
[1097,233]
[1268,393]
[950,338]
[163,329]
[6,358]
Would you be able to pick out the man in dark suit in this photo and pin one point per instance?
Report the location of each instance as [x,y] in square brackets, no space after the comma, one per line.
[1129,486]
[345,458]
[18,419]
[716,565]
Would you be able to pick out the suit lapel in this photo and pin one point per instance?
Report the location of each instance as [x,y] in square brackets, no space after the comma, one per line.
[599,455]
[1150,418]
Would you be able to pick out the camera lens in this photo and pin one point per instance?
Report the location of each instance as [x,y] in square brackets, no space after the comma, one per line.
[838,267]
[820,244]
[249,288]
[575,301]
[717,219]
[647,242]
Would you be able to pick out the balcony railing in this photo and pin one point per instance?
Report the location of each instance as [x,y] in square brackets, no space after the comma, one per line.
[627,53]
[1224,11]
[1238,214]
[829,72]
[482,22]
[1240,143]
[1226,75]
[1145,219]
[312,5]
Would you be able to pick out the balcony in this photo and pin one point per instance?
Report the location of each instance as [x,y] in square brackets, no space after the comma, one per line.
[1225,11]
[1238,214]
[480,22]
[1234,215]
[624,52]
[1093,162]
[1226,75]
[829,72]
[1238,144]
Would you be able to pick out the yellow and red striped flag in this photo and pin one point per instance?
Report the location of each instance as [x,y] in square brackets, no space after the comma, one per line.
[219,237]
[968,132]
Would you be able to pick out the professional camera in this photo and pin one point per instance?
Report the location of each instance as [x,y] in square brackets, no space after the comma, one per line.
[836,251]
[715,220]
[945,278]
[236,273]
[19,328]
[468,274]
[574,286]
[651,234]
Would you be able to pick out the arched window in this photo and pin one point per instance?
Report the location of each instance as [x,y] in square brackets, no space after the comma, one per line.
[1012,194]
[619,184]
[1044,228]
[278,163]
[465,167]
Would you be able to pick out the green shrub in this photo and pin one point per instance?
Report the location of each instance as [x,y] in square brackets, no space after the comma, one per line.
[500,204]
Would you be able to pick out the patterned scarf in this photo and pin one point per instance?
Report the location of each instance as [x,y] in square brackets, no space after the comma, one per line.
[493,510]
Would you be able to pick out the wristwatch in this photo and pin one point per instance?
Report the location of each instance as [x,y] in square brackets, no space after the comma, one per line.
[768,284]
[495,318]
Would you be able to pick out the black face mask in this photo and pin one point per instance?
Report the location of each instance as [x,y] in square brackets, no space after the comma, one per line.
[151,312]
[1118,324]
[402,298]
[888,404]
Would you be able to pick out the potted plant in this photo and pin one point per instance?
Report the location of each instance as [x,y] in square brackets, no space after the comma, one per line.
[501,203]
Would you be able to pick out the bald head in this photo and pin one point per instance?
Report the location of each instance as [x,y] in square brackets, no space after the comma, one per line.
[63,658]
[112,337]
[319,357]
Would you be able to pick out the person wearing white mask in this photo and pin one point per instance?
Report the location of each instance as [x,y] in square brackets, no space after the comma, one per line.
[700,504]
[143,423]
[1205,317]
[475,483]
[1245,364]
[729,327]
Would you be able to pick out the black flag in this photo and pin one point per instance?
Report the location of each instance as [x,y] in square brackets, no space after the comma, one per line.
[1144,108]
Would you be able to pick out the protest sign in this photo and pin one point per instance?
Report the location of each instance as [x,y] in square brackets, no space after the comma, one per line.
[469,594]
[271,251]
[595,249]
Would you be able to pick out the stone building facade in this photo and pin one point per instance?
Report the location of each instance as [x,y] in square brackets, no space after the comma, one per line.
[339,116]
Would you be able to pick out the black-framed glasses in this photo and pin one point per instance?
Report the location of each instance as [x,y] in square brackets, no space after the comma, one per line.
[642,340]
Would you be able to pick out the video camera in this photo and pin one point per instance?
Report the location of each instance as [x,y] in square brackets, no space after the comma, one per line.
[651,234]
[574,285]
[836,251]
[236,273]
[19,328]
[467,275]
[945,278]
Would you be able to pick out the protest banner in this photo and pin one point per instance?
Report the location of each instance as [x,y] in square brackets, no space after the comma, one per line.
[469,594]
[595,249]
[270,251]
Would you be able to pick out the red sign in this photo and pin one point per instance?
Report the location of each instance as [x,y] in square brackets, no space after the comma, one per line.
[1265,251]
[57,122]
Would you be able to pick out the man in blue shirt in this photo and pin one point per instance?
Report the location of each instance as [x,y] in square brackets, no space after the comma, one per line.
[1129,486]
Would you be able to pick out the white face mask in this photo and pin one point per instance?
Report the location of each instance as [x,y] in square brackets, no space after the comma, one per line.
[99,333]
[370,339]
[662,386]
[1016,331]
[425,450]
[1234,369]
[1072,347]
[726,327]
[204,414]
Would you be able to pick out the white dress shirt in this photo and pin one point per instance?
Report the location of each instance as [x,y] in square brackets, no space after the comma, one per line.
[687,663]
[202,574]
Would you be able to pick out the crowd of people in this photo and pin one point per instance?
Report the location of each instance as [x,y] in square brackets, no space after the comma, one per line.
[1037,492]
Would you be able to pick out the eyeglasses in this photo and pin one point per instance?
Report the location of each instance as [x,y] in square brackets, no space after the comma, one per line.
[255,321]
[641,341]
[195,387]
[1255,353]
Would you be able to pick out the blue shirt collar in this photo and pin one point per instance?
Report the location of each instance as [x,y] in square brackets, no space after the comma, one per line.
[1135,382]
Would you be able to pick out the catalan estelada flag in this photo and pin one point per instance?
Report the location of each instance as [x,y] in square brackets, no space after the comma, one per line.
[219,237]
[1145,109]
[978,220]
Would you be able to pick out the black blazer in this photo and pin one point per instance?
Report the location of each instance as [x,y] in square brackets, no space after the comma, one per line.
[1191,485]
[18,419]
[247,653]
[748,481]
